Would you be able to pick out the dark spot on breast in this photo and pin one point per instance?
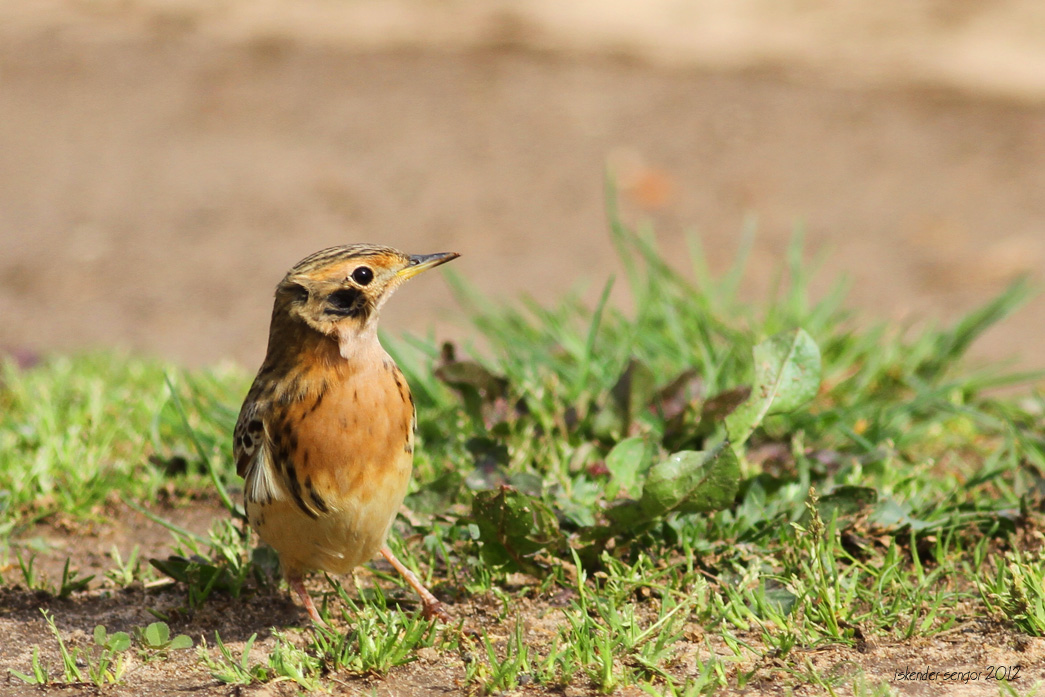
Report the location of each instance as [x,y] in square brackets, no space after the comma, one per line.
[291,390]
[246,441]
[295,491]
[254,426]
[281,450]
[409,447]
[321,505]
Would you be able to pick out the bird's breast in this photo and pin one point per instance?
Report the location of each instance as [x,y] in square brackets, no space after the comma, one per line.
[353,440]
[345,453]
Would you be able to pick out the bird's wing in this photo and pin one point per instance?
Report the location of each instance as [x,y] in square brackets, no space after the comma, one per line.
[252,450]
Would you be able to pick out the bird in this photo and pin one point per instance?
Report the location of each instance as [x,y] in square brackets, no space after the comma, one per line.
[325,436]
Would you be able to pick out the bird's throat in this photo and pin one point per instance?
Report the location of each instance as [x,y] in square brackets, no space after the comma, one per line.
[359,341]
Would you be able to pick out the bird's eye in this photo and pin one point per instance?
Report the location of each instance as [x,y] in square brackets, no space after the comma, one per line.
[363,275]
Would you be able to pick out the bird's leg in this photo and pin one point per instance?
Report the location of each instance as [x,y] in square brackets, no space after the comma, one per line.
[431,607]
[297,584]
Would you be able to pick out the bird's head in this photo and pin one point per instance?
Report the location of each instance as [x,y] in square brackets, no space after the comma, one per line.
[339,291]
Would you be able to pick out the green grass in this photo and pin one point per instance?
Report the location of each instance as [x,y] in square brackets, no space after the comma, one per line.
[78,430]
[611,456]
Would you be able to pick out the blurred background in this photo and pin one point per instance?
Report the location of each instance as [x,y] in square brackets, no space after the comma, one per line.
[163,162]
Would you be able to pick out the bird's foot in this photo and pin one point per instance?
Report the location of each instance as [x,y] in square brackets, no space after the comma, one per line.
[297,583]
[431,608]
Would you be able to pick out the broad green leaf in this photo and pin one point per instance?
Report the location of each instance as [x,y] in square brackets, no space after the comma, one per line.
[182,641]
[675,397]
[513,527]
[119,641]
[462,375]
[634,390]
[627,462]
[893,515]
[682,434]
[202,573]
[787,375]
[717,408]
[437,495]
[265,561]
[526,482]
[780,599]
[627,515]
[477,386]
[156,634]
[490,458]
[607,423]
[846,502]
[692,482]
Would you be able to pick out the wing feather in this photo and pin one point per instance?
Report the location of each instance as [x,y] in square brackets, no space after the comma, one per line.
[252,450]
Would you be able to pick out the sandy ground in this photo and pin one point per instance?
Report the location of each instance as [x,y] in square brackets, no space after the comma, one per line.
[164,163]
[971,646]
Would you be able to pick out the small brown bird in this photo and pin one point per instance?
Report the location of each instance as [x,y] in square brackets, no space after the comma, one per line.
[325,438]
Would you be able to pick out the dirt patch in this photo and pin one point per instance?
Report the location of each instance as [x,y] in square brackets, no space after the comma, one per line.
[90,542]
[970,647]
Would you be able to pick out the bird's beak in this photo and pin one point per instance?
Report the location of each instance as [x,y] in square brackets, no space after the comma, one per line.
[423,262]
